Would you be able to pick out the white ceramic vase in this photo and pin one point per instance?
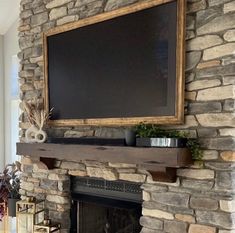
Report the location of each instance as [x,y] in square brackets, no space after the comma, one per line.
[35,135]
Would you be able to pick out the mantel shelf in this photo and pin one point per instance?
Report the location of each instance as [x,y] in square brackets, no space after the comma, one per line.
[160,162]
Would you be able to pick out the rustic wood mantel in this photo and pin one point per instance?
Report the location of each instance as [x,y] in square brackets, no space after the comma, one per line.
[160,162]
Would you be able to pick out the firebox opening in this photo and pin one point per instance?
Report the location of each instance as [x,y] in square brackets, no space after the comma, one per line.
[101,206]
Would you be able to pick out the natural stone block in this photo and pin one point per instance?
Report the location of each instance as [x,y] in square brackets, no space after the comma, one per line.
[227,80]
[192,59]
[217,93]
[94,163]
[175,227]
[219,51]
[206,132]
[200,174]
[72,165]
[228,156]
[107,174]
[195,6]
[109,132]
[39,19]
[204,107]
[197,184]
[202,84]
[223,220]
[64,186]
[225,180]
[122,165]
[228,61]
[157,214]
[28,186]
[25,14]
[190,22]
[217,2]
[210,155]
[56,3]
[67,19]
[208,64]
[229,35]
[26,73]
[229,105]
[49,25]
[151,223]
[189,77]
[224,231]
[203,203]
[222,143]
[48,184]
[62,208]
[154,206]
[57,13]
[78,134]
[220,166]
[114,4]
[146,196]
[229,7]
[40,175]
[189,35]
[227,206]
[77,173]
[153,188]
[217,24]
[54,176]
[204,16]
[80,3]
[190,95]
[26,87]
[25,42]
[91,9]
[140,178]
[147,230]
[216,119]
[196,228]
[227,132]
[214,72]
[185,218]
[204,42]
[173,199]
[58,199]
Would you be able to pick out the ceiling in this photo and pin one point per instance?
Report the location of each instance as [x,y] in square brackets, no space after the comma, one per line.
[9,11]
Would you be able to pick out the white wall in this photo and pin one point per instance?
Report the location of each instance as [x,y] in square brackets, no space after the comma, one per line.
[1,105]
[11,48]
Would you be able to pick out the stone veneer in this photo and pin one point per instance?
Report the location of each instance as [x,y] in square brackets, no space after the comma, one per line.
[202,199]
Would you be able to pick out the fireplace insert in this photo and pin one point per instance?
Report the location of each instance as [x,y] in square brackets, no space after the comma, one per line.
[100,206]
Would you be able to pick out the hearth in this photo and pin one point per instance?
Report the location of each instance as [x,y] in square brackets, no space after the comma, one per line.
[105,206]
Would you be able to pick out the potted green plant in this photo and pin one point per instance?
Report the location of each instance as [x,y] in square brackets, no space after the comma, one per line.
[9,187]
[150,135]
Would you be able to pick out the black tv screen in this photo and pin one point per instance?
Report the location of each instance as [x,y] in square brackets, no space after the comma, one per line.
[120,68]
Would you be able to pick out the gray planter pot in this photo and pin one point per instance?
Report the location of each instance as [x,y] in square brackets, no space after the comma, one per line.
[12,207]
[161,142]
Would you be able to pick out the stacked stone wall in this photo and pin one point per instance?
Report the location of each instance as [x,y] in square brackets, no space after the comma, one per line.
[202,199]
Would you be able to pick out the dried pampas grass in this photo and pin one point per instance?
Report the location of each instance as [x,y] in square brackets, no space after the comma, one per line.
[36,115]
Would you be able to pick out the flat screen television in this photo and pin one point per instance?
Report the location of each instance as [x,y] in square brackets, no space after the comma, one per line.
[120,67]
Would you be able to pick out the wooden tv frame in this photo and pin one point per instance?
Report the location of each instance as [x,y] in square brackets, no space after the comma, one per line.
[178,117]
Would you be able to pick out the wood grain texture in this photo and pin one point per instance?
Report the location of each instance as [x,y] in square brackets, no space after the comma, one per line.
[178,118]
[149,158]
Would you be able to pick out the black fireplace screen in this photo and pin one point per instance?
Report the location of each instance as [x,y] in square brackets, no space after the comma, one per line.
[102,212]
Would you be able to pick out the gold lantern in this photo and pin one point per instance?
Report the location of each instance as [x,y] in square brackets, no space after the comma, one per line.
[29,212]
[47,227]
[5,220]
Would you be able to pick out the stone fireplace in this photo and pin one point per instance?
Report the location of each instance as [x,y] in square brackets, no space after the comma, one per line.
[202,198]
